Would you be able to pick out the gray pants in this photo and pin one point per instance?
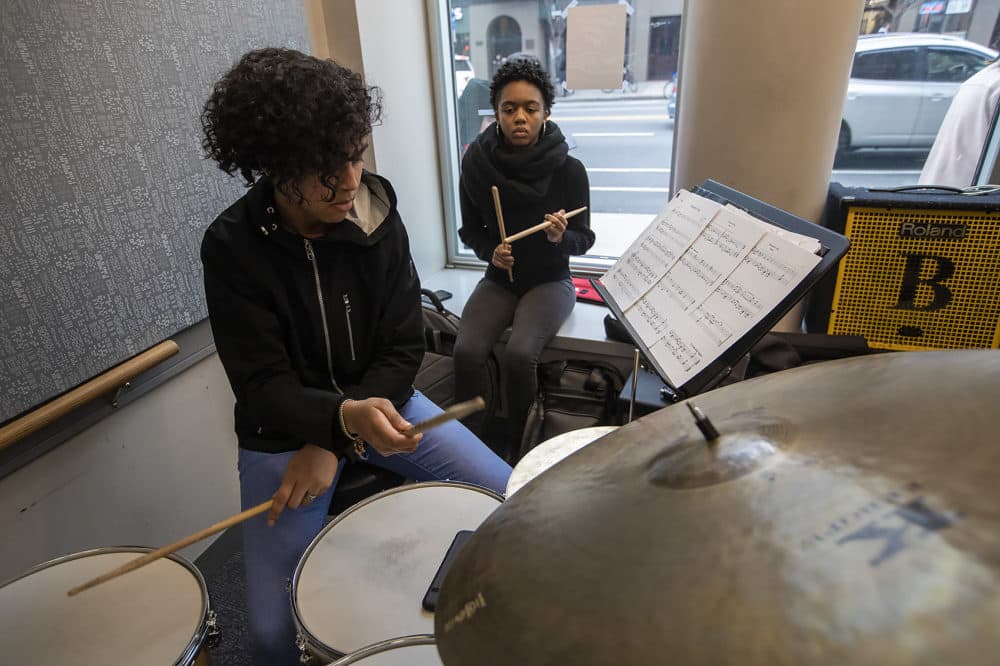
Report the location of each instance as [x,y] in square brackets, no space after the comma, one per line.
[534,319]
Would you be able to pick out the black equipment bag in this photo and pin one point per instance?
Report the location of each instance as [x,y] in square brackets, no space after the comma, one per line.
[573,394]
[436,376]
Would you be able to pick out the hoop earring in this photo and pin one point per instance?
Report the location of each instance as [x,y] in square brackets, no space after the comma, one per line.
[545,125]
[498,130]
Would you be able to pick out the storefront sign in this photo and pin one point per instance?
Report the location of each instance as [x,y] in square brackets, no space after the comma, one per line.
[959,7]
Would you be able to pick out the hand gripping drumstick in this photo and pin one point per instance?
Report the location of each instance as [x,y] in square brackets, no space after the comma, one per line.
[457,411]
[503,232]
[540,227]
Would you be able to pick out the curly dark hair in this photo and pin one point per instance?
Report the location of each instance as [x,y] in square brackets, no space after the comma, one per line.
[288,114]
[522,69]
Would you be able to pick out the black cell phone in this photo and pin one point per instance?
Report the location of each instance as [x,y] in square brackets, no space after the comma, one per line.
[431,598]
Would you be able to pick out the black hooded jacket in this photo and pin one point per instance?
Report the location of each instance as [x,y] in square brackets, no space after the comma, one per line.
[532,182]
[268,290]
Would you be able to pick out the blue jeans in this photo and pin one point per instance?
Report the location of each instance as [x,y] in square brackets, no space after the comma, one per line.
[448,452]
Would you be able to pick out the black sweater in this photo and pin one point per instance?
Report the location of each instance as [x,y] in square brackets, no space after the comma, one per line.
[531,182]
[263,293]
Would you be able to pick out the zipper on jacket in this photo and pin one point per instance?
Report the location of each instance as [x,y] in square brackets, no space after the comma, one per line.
[322,312]
[350,332]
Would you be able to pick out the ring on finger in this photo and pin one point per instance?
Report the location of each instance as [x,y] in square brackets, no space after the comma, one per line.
[309,498]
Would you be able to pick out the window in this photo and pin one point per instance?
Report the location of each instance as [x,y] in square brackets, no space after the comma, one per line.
[623,136]
[890,65]
[904,75]
[953,64]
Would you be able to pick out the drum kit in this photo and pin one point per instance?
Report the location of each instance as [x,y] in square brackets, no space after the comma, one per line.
[158,615]
[841,513]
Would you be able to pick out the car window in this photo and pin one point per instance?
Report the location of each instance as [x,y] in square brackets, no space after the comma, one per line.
[887,65]
[953,64]
[462,66]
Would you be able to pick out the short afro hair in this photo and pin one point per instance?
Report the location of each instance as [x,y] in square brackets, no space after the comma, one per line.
[286,114]
[522,69]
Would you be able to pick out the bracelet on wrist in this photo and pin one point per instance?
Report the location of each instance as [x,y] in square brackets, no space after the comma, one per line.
[359,444]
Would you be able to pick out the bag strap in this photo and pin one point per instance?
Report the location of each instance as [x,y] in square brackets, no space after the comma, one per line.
[435,301]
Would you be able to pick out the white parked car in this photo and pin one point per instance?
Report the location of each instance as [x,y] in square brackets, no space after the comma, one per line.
[463,72]
[901,86]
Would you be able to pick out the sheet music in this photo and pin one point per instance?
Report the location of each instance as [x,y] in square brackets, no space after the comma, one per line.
[656,250]
[678,354]
[700,300]
[767,274]
[805,242]
[709,258]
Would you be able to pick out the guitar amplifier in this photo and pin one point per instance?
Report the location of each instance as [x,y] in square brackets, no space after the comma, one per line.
[923,271]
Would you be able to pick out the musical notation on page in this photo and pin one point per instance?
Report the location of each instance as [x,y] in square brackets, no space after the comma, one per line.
[714,254]
[701,276]
[805,242]
[767,273]
[656,250]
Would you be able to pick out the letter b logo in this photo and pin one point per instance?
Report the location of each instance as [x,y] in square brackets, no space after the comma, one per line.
[945,268]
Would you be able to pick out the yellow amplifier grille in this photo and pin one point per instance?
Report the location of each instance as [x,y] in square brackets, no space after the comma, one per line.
[920,279]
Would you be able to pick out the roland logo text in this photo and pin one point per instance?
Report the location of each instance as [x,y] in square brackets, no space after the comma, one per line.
[931,230]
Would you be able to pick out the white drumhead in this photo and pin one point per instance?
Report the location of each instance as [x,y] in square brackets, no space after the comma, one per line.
[147,616]
[551,451]
[363,578]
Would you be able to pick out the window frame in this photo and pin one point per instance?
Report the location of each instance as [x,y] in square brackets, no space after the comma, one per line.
[449,165]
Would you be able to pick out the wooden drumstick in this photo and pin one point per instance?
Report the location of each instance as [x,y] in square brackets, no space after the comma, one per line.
[142,561]
[503,232]
[541,227]
[457,411]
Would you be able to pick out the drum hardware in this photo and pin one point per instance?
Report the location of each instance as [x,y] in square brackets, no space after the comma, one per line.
[369,654]
[635,384]
[213,634]
[703,423]
[831,522]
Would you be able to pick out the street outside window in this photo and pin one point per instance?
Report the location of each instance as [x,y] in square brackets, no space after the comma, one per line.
[910,59]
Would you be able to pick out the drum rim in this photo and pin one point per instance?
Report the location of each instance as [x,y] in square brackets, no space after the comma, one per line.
[190,652]
[305,638]
[385,646]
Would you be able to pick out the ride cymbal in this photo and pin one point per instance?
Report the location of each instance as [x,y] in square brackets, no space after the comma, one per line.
[848,513]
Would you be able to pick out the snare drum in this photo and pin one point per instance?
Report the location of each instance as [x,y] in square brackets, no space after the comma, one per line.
[363,578]
[157,614]
[551,451]
[405,651]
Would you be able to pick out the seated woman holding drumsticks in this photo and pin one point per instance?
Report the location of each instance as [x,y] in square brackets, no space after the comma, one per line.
[527,286]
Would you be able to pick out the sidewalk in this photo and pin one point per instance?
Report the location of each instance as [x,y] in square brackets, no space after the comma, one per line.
[646,90]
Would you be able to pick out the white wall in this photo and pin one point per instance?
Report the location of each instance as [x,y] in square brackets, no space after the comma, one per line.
[160,468]
[396,53]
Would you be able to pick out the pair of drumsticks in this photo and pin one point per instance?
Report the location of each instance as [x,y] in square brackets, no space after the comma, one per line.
[456,411]
[527,232]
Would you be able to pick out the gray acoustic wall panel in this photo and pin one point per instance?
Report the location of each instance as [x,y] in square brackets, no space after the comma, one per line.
[106,192]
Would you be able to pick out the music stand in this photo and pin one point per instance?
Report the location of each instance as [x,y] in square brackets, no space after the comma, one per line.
[833,247]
